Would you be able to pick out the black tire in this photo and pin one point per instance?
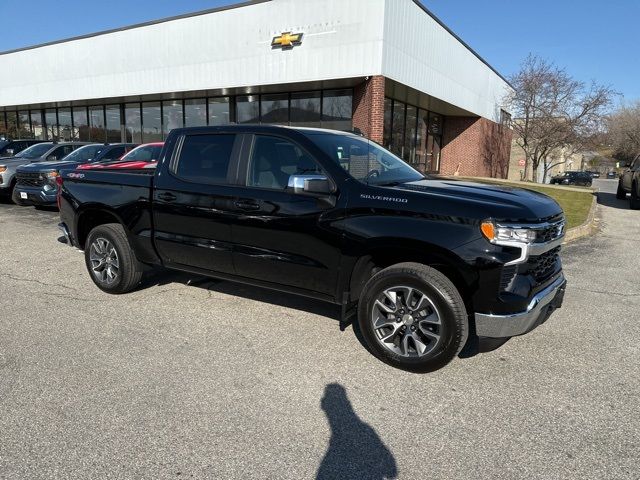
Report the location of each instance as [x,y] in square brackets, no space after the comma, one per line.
[129,269]
[620,193]
[634,201]
[454,324]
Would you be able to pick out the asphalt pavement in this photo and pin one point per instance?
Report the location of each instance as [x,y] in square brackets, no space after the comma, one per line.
[196,378]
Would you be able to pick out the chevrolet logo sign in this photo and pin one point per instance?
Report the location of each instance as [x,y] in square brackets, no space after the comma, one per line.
[287,40]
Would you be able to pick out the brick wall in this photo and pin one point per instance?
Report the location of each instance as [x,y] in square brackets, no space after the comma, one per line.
[368,108]
[475,147]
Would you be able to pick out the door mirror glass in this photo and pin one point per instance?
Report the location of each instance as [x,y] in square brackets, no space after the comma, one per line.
[310,184]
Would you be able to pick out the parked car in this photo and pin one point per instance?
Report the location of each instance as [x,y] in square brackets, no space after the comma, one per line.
[612,175]
[35,153]
[630,183]
[573,178]
[9,148]
[143,156]
[332,216]
[36,182]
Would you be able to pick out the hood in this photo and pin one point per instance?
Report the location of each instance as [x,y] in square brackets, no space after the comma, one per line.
[16,161]
[48,166]
[481,201]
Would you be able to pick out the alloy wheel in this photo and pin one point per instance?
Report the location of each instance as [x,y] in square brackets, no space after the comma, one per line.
[105,265]
[406,322]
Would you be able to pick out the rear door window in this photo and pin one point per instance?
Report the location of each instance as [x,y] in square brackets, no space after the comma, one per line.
[205,158]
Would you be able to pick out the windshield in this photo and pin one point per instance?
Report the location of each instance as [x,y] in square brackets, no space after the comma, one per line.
[84,154]
[365,160]
[35,151]
[146,153]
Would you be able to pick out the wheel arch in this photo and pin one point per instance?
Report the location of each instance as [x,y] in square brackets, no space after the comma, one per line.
[93,216]
[386,252]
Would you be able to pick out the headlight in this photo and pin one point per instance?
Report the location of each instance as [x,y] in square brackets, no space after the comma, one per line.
[3,168]
[499,234]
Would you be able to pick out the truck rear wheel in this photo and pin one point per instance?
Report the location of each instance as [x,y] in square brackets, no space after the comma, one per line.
[412,317]
[110,261]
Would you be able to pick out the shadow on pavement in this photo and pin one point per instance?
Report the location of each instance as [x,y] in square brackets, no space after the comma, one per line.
[610,200]
[355,450]
[159,277]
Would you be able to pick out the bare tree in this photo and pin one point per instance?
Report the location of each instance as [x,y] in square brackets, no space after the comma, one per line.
[624,131]
[553,111]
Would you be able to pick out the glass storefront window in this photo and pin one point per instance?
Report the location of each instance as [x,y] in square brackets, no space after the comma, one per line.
[219,111]
[171,116]
[433,153]
[337,109]
[96,123]
[435,124]
[65,129]
[37,126]
[195,112]
[388,115]
[248,109]
[151,122]
[114,134]
[410,134]
[80,124]
[397,128]
[421,141]
[306,109]
[12,125]
[275,109]
[133,123]
[51,124]
[24,129]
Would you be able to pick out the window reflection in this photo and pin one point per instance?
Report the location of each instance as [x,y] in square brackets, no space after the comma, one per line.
[37,127]
[65,129]
[306,109]
[195,112]
[171,116]
[80,124]
[337,109]
[151,122]
[112,113]
[24,128]
[219,111]
[248,109]
[96,124]
[12,125]
[51,124]
[275,109]
[133,123]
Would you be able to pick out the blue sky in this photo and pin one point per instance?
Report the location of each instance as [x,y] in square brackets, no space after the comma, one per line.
[592,40]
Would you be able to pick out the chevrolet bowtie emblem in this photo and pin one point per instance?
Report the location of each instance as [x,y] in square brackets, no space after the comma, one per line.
[287,40]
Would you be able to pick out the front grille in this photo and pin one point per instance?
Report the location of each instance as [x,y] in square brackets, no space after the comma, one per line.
[550,233]
[30,179]
[543,266]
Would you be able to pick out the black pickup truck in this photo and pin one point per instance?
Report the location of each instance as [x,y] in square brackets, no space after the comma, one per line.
[425,263]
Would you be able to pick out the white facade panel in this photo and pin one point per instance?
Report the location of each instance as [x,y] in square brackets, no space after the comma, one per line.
[422,54]
[225,49]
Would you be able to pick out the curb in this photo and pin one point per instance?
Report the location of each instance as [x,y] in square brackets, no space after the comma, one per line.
[587,228]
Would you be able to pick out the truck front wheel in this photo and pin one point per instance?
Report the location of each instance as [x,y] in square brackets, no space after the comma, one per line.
[412,317]
[111,262]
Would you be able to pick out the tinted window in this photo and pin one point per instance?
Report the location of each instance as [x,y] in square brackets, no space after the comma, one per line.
[274,160]
[205,158]
[62,152]
[115,152]
[82,154]
[145,153]
[35,151]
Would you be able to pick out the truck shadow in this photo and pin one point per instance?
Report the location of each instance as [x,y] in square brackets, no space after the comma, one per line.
[610,200]
[159,277]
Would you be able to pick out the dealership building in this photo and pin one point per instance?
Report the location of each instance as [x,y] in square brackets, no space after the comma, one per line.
[387,68]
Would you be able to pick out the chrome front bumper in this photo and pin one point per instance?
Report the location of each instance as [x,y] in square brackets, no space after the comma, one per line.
[501,326]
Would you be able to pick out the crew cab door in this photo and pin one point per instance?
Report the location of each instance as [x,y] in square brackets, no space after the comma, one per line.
[280,236]
[193,202]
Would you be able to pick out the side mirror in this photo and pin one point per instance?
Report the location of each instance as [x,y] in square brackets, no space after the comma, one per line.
[311,185]
[52,158]
[10,152]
